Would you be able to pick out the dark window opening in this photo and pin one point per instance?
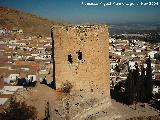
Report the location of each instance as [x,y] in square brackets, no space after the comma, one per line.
[81,38]
[70,58]
[91,90]
[79,55]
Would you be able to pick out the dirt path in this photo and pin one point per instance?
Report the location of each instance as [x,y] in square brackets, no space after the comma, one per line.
[38,97]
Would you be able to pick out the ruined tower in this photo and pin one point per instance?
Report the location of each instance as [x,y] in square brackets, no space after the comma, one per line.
[82,57]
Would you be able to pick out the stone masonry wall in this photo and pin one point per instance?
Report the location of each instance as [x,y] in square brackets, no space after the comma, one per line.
[82,57]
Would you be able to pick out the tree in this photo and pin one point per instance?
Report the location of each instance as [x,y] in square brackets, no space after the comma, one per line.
[139,88]
[44,81]
[148,80]
[18,111]
[117,68]
[129,88]
[142,93]
[137,84]
[22,82]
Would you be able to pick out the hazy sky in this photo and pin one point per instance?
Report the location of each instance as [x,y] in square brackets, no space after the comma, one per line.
[74,11]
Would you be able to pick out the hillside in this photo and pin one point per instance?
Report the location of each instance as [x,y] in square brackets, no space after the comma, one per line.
[31,24]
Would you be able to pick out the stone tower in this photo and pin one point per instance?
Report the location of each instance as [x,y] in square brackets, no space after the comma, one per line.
[81,57]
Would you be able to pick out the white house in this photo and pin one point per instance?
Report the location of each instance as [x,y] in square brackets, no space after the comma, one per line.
[47,56]
[112,40]
[34,54]
[156,89]
[9,56]
[151,54]
[13,41]
[10,89]
[20,31]
[3,101]
[32,77]
[118,53]
[47,44]
[48,38]
[11,77]
[113,65]
[2,31]
[131,65]
[138,50]
[133,55]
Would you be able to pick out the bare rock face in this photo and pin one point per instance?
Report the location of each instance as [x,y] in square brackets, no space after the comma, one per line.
[82,59]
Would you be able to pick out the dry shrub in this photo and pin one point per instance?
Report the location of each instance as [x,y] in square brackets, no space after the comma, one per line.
[18,110]
[66,87]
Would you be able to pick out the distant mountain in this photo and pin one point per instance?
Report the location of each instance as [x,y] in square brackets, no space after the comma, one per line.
[141,27]
[31,24]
